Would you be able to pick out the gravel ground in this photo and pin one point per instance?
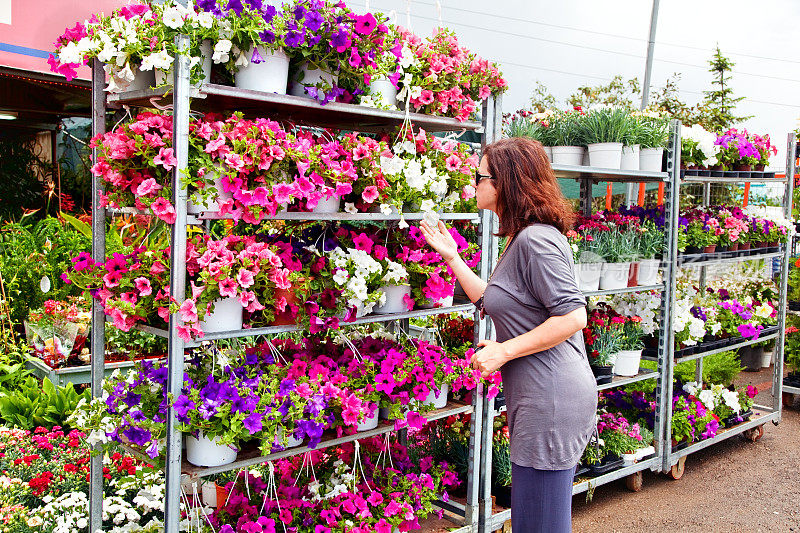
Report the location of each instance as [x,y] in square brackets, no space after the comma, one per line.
[735,485]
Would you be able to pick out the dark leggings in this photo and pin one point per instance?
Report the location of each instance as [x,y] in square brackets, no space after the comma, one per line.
[541,500]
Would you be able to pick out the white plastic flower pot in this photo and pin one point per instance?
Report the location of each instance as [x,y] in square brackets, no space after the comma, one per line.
[630,158]
[441,401]
[210,205]
[644,452]
[331,205]
[588,275]
[291,441]
[269,76]
[628,362]
[548,150]
[615,276]
[650,159]
[227,316]
[648,271]
[142,81]
[568,155]
[203,451]
[164,77]
[766,359]
[370,422]
[394,299]
[383,92]
[210,494]
[628,459]
[311,76]
[430,304]
[605,155]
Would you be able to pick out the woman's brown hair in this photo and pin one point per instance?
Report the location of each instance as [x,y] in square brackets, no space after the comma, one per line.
[527,189]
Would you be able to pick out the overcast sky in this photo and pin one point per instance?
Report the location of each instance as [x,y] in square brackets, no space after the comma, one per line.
[570,43]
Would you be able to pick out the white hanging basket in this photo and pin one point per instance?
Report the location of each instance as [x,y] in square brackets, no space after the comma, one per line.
[648,271]
[311,76]
[330,205]
[227,316]
[269,76]
[370,422]
[605,155]
[142,81]
[447,301]
[202,451]
[383,92]
[588,275]
[630,158]
[440,401]
[568,155]
[211,205]
[615,276]
[628,363]
[650,159]
[210,494]
[394,299]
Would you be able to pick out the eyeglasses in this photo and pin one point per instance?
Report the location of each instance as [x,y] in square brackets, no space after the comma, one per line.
[479,177]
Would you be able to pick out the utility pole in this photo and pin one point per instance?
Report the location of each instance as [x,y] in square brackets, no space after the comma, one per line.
[648,70]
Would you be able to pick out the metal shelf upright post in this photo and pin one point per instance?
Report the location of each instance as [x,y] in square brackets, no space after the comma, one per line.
[586,176]
[673,459]
[185,98]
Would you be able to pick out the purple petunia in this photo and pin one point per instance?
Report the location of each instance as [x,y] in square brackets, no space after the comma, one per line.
[253,423]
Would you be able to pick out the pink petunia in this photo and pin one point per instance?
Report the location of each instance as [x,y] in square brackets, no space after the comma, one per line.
[426,97]
[365,24]
[188,311]
[143,286]
[164,210]
[227,287]
[147,187]
[363,242]
[166,158]
[245,278]
[453,163]
[370,194]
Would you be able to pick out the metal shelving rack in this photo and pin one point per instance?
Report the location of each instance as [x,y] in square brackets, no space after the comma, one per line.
[303,112]
[673,460]
[586,176]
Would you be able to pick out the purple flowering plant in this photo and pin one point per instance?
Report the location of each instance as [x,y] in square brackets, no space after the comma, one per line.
[327,35]
[736,148]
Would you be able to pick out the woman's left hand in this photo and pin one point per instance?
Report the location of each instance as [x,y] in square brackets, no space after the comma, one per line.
[490,358]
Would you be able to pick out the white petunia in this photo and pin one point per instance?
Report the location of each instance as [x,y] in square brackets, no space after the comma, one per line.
[173,18]
[205,19]
[222,51]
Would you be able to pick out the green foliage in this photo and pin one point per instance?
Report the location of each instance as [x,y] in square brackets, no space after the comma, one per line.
[30,250]
[791,346]
[542,98]
[133,342]
[721,367]
[605,125]
[35,405]
[653,132]
[719,103]
[666,100]
[618,93]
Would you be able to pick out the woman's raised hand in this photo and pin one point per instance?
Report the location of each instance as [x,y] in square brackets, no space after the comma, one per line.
[440,240]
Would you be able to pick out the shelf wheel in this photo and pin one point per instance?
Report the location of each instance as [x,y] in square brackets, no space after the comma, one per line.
[754,434]
[634,481]
[676,472]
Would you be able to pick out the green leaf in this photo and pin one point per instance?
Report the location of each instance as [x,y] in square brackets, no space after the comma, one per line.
[82,227]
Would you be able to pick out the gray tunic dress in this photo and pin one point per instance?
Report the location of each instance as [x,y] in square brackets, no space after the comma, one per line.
[551,396]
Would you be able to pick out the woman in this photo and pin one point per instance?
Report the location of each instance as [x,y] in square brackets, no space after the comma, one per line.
[538,314]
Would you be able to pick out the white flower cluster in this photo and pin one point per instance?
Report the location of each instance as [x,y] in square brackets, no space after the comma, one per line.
[645,305]
[714,396]
[684,318]
[340,482]
[418,174]
[356,272]
[705,141]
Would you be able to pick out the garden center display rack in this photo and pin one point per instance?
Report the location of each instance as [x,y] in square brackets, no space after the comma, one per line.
[586,176]
[477,513]
[208,97]
[673,459]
